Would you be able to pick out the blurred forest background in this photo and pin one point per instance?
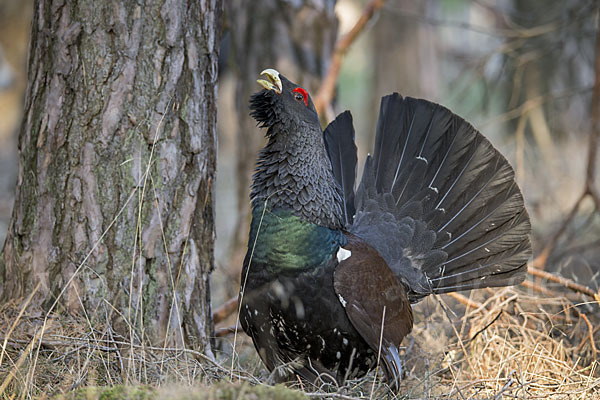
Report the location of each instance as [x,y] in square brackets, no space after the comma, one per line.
[521,71]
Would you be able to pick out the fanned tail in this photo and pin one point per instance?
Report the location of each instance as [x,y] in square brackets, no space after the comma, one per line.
[440,203]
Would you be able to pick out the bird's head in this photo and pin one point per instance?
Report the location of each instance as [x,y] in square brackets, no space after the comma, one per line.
[281,101]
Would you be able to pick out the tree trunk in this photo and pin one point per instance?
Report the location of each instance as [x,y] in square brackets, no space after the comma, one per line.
[297,41]
[113,210]
[404,56]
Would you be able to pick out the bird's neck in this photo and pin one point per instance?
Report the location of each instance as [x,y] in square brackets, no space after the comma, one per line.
[294,173]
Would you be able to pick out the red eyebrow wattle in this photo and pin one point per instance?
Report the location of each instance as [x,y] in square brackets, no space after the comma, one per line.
[304,94]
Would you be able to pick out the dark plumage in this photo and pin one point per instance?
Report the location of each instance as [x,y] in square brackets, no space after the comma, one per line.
[327,268]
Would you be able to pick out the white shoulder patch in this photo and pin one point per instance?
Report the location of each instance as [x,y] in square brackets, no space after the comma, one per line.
[343,254]
[342,300]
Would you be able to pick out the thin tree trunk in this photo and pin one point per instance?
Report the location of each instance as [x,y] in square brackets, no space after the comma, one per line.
[297,39]
[113,208]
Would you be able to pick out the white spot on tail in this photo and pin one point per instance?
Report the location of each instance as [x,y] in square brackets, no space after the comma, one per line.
[344,302]
[421,158]
[343,254]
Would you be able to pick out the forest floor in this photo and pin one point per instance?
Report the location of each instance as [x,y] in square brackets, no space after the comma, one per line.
[525,343]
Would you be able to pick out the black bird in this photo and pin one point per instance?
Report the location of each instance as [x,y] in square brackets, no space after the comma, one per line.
[330,272]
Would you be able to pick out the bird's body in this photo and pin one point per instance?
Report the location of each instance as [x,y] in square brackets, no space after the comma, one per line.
[278,282]
[330,272]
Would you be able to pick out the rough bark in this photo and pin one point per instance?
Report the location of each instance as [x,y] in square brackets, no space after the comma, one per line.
[297,41]
[117,161]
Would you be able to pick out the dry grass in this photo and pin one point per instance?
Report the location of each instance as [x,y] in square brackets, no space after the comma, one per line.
[515,344]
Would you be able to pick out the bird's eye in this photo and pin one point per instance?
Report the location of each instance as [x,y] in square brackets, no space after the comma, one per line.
[301,95]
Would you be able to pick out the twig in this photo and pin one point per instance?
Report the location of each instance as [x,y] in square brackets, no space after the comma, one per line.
[568,283]
[329,396]
[325,94]
[225,310]
[538,288]
[222,332]
[590,334]
[465,301]
[505,388]
[485,327]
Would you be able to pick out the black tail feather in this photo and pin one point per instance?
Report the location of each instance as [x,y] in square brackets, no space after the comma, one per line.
[440,203]
[339,143]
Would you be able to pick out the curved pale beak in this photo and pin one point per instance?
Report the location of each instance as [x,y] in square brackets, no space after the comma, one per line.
[273,82]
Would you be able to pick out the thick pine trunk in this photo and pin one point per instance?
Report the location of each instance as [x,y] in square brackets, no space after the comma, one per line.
[113,208]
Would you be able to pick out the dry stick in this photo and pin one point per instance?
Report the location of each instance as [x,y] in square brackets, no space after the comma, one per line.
[568,283]
[465,301]
[539,288]
[326,91]
[222,332]
[590,335]
[225,310]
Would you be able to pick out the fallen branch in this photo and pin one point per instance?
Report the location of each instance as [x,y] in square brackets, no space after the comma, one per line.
[325,94]
[222,332]
[465,301]
[225,310]
[590,335]
[568,283]
[538,288]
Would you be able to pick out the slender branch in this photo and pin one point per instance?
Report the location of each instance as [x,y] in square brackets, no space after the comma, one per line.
[590,335]
[568,283]
[225,310]
[325,94]
[465,301]
[539,288]
[222,332]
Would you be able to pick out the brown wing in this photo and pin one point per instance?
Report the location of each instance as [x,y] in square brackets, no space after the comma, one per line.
[367,288]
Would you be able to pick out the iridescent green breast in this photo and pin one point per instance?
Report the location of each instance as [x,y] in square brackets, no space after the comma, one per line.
[279,240]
